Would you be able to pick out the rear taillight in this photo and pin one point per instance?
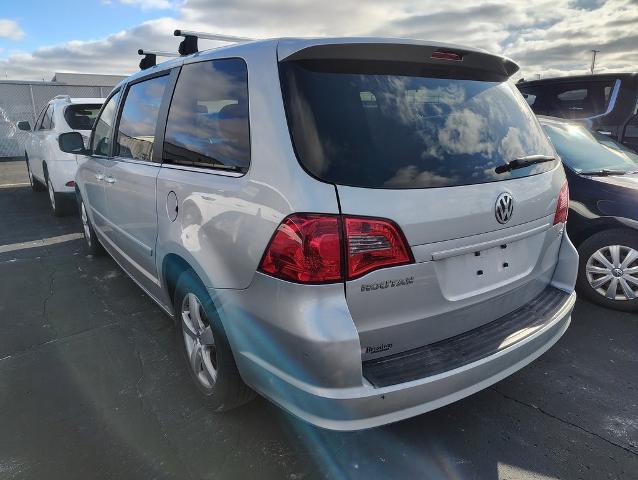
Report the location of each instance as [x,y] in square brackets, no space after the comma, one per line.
[316,248]
[562,206]
[372,244]
[306,248]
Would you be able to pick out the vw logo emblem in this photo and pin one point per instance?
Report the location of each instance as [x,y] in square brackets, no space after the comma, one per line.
[504,208]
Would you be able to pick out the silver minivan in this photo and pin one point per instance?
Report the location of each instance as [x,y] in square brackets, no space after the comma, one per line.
[359,229]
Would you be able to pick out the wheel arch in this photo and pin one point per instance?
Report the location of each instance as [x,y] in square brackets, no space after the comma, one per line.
[596,226]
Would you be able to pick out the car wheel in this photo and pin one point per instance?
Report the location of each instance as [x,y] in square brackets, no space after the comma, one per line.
[36,186]
[60,204]
[205,346]
[608,269]
[93,245]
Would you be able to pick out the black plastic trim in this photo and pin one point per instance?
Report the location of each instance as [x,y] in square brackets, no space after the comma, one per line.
[470,346]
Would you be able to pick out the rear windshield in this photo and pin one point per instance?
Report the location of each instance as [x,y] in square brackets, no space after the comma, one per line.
[391,125]
[81,117]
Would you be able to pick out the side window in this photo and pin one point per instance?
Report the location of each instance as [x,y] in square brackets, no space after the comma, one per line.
[101,143]
[207,122]
[580,100]
[46,120]
[136,129]
[38,121]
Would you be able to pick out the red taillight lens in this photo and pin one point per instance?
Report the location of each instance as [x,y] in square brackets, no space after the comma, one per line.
[562,206]
[373,244]
[444,55]
[305,248]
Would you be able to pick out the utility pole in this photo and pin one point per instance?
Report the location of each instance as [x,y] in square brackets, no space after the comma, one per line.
[593,60]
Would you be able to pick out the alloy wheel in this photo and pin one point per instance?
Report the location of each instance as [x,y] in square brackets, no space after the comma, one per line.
[199,342]
[612,271]
[85,224]
[51,193]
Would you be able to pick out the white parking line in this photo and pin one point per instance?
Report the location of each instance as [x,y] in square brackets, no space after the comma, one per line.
[11,185]
[11,247]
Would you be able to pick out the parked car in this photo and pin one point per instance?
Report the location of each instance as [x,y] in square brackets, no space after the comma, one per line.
[608,102]
[361,230]
[603,220]
[49,168]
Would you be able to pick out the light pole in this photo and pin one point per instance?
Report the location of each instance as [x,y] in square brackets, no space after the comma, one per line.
[593,60]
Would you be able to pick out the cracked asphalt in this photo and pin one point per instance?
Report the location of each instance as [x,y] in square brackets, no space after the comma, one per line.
[92,386]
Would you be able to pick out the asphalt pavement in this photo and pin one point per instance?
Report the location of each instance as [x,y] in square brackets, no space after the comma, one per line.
[92,387]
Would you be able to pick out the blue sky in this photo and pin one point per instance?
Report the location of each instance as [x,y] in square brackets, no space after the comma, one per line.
[47,23]
[546,37]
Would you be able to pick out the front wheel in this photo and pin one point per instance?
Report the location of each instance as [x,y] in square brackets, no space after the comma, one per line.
[608,269]
[205,346]
[36,186]
[93,245]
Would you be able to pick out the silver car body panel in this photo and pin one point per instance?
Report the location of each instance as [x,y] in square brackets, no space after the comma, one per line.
[303,346]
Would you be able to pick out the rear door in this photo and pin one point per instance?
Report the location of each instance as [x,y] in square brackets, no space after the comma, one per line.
[130,178]
[420,147]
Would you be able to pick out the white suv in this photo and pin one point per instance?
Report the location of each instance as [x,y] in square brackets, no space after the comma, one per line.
[48,166]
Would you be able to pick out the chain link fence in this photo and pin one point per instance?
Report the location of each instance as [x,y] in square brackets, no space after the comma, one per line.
[24,101]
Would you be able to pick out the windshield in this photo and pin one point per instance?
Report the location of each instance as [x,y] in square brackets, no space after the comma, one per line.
[585,151]
[392,125]
[81,117]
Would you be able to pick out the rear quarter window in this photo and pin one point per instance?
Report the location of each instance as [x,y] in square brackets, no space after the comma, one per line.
[208,124]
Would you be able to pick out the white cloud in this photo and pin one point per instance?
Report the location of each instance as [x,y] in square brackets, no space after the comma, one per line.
[550,37]
[10,29]
[151,4]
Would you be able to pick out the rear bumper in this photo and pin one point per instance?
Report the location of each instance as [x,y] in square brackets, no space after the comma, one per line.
[369,406]
[298,346]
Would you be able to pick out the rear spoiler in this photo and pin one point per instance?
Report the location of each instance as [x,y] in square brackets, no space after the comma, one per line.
[434,54]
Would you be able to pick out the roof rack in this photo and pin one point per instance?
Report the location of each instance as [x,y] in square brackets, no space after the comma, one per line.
[189,44]
[150,57]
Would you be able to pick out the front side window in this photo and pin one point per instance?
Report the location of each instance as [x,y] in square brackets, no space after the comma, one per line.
[208,122]
[585,151]
[392,125]
[81,117]
[47,120]
[101,144]
[136,130]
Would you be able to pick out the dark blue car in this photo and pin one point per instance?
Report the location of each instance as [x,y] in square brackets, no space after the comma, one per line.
[603,215]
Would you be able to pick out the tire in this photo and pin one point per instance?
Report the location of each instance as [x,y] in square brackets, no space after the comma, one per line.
[61,205]
[93,245]
[36,185]
[608,267]
[203,342]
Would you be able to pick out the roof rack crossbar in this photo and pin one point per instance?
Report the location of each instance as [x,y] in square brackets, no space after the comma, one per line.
[189,44]
[150,57]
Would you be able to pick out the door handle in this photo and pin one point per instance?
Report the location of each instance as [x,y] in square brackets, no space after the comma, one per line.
[99,177]
[109,179]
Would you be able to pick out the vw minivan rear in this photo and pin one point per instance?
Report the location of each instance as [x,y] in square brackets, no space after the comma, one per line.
[361,230]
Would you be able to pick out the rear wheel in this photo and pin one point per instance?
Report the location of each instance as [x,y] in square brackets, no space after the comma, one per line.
[36,186]
[93,245]
[61,204]
[608,269]
[205,347]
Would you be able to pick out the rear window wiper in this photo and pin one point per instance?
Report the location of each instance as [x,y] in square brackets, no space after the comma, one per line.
[522,162]
[605,172]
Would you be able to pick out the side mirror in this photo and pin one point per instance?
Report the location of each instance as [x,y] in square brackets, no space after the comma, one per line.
[72,142]
[24,125]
